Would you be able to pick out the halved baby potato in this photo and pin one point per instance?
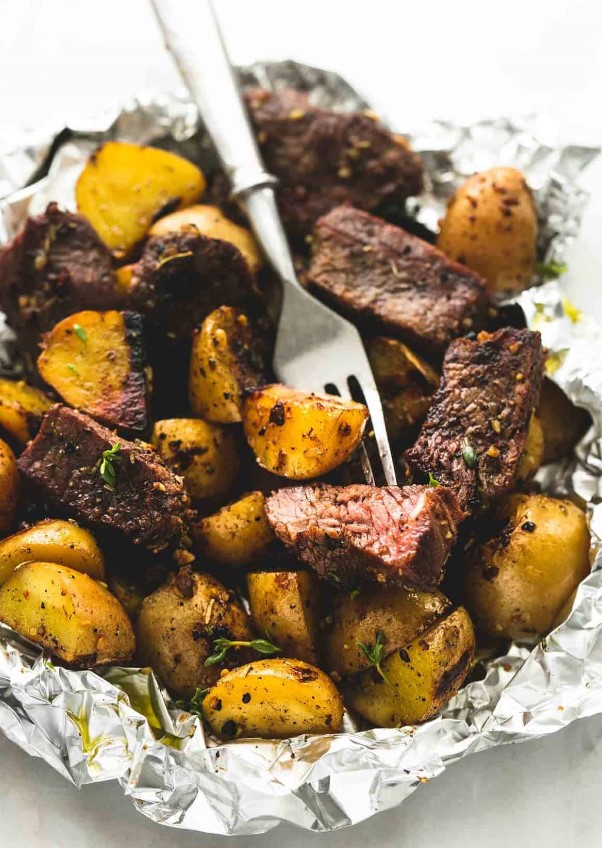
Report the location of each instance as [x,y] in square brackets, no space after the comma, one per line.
[228,357]
[68,613]
[125,187]
[52,540]
[417,680]
[286,606]
[96,362]
[238,534]
[9,488]
[298,435]
[205,454]
[273,699]
[22,408]
[210,221]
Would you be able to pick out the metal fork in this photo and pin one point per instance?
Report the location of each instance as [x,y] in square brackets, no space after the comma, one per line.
[316,349]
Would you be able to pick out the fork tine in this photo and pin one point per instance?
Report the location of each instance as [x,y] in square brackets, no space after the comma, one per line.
[380,430]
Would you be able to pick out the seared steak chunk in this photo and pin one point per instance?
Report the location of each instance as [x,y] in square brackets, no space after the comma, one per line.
[141,499]
[360,534]
[56,266]
[323,158]
[475,431]
[396,281]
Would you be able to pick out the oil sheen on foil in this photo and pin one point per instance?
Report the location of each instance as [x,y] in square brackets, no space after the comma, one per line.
[120,725]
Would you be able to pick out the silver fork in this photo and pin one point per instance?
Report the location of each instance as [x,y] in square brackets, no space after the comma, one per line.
[316,349]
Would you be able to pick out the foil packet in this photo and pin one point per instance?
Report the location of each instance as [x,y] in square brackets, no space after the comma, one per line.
[120,725]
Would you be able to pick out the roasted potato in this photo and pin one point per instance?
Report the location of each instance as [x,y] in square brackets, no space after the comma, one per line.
[204,454]
[210,221]
[399,615]
[406,384]
[516,581]
[96,362]
[68,613]
[285,605]
[21,409]
[239,534]
[299,435]
[534,450]
[9,488]
[417,680]
[228,357]
[176,627]
[491,226]
[273,699]
[125,187]
[562,422]
[52,540]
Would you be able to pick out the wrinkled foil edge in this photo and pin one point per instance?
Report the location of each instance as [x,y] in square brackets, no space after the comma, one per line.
[121,725]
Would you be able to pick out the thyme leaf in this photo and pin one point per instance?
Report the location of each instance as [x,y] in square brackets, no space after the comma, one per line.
[107,469]
[222,645]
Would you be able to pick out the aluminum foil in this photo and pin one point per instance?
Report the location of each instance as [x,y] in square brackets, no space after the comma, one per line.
[120,725]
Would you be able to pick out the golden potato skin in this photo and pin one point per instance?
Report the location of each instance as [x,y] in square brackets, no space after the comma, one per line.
[22,408]
[515,583]
[53,540]
[129,595]
[176,625]
[491,226]
[210,221]
[532,457]
[124,187]
[285,605]
[273,699]
[68,613]
[297,435]
[9,487]
[562,422]
[227,358]
[406,383]
[206,455]
[239,534]
[398,614]
[422,677]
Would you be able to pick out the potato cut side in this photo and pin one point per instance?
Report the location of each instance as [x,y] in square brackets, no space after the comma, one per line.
[210,221]
[125,187]
[53,540]
[239,534]
[68,613]
[9,488]
[96,362]
[420,678]
[298,435]
[228,358]
[273,699]
[22,408]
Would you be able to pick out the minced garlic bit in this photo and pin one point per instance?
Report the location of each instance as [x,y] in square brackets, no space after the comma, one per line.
[296,114]
[493,451]
[520,376]
[344,172]
[514,348]
[496,426]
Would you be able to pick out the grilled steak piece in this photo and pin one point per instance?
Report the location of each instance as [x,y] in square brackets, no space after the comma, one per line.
[360,534]
[393,280]
[323,158]
[475,431]
[56,266]
[146,504]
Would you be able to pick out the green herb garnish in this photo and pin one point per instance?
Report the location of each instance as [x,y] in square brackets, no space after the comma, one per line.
[80,333]
[432,482]
[222,645]
[551,270]
[469,454]
[354,593]
[195,704]
[73,369]
[107,468]
[375,654]
[170,257]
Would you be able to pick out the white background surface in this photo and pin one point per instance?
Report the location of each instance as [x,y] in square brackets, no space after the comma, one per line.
[413,61]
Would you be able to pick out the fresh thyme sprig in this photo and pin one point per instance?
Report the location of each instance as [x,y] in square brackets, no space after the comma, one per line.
[469,454]
[80,333]
[195,704]
[433,483]
[375,654]
[222,645]
[107,469]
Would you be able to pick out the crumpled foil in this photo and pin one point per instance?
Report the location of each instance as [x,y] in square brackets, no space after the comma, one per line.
[120,725]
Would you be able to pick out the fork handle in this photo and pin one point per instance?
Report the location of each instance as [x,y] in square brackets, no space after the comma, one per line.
[193,37]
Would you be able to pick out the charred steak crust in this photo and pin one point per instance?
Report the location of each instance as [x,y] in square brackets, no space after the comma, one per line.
[147,504]
[56,266]
[358,534]
[398,282]
[323,158]
[488,391]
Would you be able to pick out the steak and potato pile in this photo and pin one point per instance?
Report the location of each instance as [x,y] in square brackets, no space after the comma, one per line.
[166,502]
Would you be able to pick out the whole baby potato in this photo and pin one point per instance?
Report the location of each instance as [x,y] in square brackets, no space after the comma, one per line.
[516,582]
[491,226]
[177,625]
[563,423]
[533,452]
